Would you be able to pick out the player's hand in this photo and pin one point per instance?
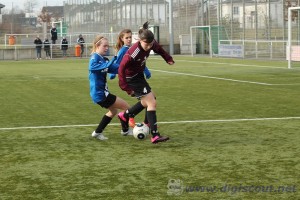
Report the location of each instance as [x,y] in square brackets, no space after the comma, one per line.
[148,74]
[171,62]
[112,76]
[132,94]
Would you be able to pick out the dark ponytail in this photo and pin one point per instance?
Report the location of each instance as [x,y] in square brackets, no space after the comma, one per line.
[145,34]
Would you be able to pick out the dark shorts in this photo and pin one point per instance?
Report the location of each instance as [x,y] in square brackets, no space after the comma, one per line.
[139,85]
[109,101]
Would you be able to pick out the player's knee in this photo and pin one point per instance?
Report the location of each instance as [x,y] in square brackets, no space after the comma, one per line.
[112,112]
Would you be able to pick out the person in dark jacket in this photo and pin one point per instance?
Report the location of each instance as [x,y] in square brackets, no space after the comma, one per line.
[38,46]
[64,46]
[53,32]
[47,48]
[81,42]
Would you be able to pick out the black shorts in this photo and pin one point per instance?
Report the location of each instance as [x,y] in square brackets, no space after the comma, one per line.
[109,101]
[139,85]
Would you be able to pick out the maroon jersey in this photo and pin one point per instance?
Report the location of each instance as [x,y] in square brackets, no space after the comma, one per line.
[134,62]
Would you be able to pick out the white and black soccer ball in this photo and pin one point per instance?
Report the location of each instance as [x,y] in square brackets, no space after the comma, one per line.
[140,131]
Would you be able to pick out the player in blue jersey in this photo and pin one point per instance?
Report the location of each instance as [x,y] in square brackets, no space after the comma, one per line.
[99,66]
[132,79]
[123,43]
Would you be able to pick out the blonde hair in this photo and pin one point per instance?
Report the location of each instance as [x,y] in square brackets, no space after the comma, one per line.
[97,42]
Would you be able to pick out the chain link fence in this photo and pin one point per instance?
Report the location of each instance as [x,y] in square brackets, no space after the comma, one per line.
[250,21]
[245,20]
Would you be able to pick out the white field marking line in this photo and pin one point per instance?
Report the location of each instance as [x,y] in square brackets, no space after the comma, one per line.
[172,122]
[220,63]
[233,64]
[212,77]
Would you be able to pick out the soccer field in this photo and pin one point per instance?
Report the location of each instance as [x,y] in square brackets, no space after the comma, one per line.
[234,128]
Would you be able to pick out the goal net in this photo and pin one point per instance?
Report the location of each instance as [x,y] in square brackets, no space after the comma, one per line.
[205,39]
[293,43]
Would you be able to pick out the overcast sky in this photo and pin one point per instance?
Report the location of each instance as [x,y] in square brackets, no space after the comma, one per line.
[20,3]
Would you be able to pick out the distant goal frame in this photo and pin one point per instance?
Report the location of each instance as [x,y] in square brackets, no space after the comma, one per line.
[209,35]
[289,42]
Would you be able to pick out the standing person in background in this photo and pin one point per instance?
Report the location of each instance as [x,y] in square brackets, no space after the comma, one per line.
[81,42]
[47,48]
[123,43]
[64,46]
[53,32]
[132,79]
[38,46]
[99,66]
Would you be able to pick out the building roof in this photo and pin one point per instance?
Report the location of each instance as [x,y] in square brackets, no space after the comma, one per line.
[55,11]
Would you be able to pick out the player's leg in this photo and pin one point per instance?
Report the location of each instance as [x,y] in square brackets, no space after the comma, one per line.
[106,119]
[112,103]
[125,116]
[123,105]
[150,100]
[131,122]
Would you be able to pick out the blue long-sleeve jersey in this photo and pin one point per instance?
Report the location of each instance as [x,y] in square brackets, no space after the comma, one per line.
[121,53]
[99,66]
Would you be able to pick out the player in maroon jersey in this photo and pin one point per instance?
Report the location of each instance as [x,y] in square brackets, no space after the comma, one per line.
[132,79]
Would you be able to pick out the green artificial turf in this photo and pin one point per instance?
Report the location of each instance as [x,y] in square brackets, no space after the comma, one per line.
[234,129]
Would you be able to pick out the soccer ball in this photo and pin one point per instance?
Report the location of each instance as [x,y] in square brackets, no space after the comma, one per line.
[140,131]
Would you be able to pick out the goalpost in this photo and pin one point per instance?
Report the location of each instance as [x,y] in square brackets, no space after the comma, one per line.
[60,28]
[293,43]
[205,39]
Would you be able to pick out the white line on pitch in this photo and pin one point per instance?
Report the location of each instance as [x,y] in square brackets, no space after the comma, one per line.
[171,122]
[232,64]
[213,77]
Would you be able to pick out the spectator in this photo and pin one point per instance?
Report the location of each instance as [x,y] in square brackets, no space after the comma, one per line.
[81,42]
[64,46]
[53,34]
[38,46]
[47,48]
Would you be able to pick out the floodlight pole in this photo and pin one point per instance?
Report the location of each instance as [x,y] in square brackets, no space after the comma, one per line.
[191,40]
[289,37]
[171,27]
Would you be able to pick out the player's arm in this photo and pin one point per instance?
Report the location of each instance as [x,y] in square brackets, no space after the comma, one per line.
[118,60]
[96,65]
[122,76]
[159,50]
[121,54]
[147,73]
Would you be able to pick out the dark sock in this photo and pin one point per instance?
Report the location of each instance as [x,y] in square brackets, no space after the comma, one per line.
[124,124]
[153,122]
[146,118]
[134,110]
[103,123]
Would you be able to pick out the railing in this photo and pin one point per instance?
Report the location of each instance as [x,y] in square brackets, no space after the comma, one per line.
[261,49]
[22,52]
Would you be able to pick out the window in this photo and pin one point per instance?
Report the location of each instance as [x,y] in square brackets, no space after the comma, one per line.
[236,10]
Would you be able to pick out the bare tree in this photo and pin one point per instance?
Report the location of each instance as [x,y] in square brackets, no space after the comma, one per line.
[44,16]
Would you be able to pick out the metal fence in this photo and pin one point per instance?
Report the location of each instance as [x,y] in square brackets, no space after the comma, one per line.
[244,20]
